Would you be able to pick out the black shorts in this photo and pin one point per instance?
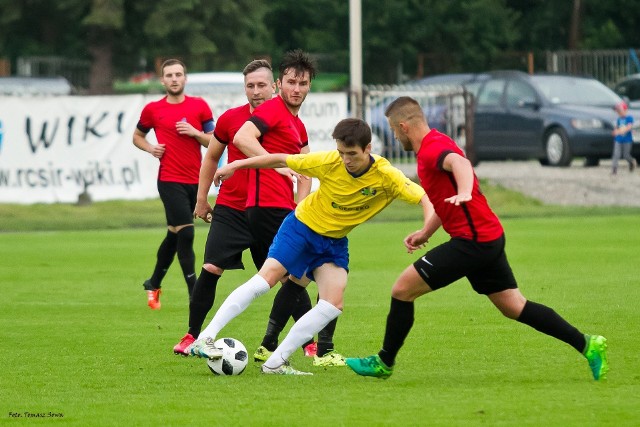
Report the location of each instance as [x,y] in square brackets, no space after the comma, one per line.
[228,237]
[484,264]
[264,224]
[179,201]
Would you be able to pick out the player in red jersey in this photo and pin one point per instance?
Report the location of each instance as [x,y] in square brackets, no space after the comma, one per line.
[475,251]
[182,125]
[229,233]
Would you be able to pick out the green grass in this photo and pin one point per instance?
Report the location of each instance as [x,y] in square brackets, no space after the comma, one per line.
[78,339]
[150,213]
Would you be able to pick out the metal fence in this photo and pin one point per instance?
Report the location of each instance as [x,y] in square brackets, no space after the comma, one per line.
[608,66]
[445,108]
[76,71]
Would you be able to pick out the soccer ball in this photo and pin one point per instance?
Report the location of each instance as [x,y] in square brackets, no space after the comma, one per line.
[234,357]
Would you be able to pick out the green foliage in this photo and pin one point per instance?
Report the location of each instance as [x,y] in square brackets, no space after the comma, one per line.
[78,338]
[443,36]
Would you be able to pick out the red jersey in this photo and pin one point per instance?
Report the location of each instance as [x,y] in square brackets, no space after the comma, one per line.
[182,156]
[233,192]
[282,132]
[473,220]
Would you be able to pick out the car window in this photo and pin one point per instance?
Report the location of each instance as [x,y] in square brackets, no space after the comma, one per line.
[518,93]
[575,91]
[491,93]
[633,91]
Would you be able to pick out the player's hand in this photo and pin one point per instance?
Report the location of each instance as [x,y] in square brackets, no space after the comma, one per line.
[157,150]
[225,172]
[416,240]
[184,128]
[458,198]
[203,211]
[291,174]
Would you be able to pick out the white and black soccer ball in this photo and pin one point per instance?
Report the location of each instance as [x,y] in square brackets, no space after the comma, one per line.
[234,357]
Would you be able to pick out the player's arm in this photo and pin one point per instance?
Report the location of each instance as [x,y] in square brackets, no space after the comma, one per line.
[207,171]
[140,141]
[418,239]
[463,175]
[203,137]
[303,182]
[270,161]
[246,139]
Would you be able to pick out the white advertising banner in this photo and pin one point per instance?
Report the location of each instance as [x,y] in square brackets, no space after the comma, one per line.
[53,148]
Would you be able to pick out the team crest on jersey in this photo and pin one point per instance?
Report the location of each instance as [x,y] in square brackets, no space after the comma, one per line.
[368,191]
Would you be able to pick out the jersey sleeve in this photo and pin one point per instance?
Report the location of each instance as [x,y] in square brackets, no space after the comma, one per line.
[314,164]
[402,187]
[206,117]
[145,124]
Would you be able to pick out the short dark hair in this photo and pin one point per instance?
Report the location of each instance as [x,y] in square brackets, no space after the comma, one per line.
[172,61]
[299,61]
[404,108]
[256,64]
[353,132]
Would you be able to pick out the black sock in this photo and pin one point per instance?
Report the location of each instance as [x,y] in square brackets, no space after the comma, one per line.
[399,323]
[286,301]
[187,257]
[164,258]
[325,338]
[302,305]
[202,298]
[547,321]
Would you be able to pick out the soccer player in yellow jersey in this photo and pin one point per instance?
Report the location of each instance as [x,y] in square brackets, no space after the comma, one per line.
[354,186]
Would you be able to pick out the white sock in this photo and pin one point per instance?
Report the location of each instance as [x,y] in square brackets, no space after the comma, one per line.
[302,331]
[236,303]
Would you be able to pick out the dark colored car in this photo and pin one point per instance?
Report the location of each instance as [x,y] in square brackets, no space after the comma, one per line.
[629,89]
[549,117]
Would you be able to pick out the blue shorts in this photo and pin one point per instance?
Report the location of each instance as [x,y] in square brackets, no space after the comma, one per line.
[301,250]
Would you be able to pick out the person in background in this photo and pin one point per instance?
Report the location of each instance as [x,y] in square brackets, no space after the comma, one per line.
[182,124]
[622,139]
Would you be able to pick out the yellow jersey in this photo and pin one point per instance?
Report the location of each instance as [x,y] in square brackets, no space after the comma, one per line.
[343,201]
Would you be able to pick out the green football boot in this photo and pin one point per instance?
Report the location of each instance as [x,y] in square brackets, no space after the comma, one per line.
[596,353]
[371,366]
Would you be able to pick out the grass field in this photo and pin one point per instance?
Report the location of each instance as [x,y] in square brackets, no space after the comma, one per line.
[79,341]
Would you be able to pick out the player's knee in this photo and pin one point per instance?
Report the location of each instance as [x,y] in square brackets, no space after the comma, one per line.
[213,269]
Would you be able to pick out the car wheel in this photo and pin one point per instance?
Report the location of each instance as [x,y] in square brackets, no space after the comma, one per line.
[557,147]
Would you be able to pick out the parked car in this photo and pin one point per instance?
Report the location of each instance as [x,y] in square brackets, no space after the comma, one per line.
[553,118]
[629,89]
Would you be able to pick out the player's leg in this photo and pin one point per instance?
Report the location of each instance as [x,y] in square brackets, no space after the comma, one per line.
[166,251]
[183,206]
[235,304]
[438,268]
[292,299]
[496,280]
[331,281]
[292,296]
[228,237]
[544,319]
[409,286]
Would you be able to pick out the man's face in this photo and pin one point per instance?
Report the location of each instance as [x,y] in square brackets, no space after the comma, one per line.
[173,79]
[259,86]
[355,159]
[400,135]
[294,89]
